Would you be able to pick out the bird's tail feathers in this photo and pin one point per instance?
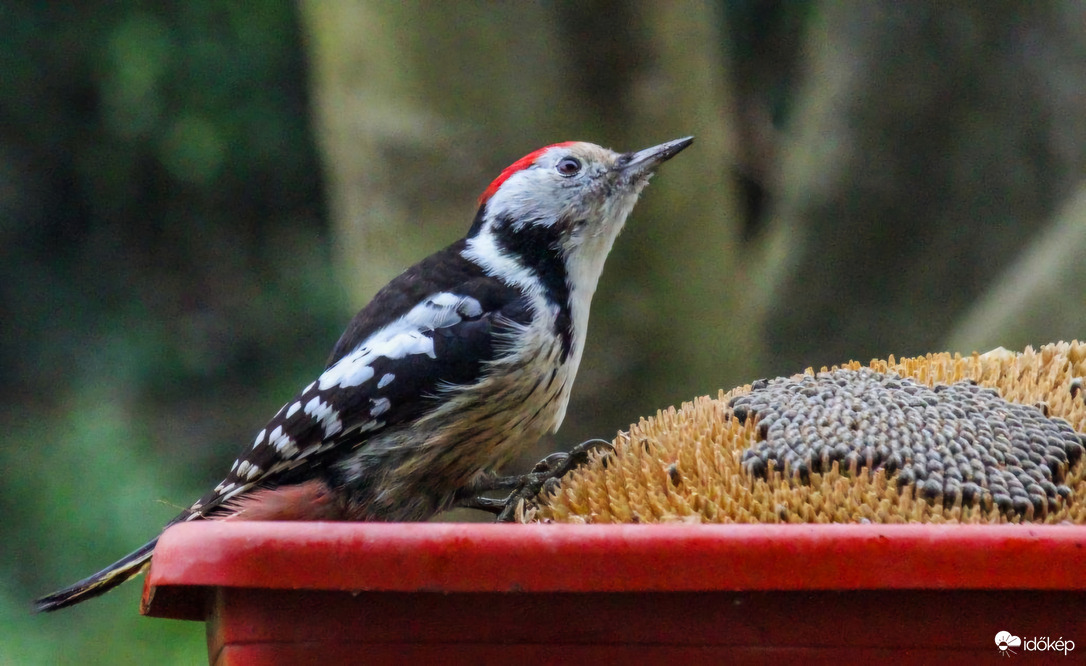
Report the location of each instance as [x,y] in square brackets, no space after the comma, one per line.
[105,580]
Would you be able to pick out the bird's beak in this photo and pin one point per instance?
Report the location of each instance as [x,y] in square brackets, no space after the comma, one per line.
[644,161]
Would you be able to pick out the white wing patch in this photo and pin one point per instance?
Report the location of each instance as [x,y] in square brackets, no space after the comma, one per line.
[380,406]
[442,299]
[283,443]
[404,337]
[249,471]
[323,413]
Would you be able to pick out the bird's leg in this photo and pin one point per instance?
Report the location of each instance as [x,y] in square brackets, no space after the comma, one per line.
[544,475]
[468,499]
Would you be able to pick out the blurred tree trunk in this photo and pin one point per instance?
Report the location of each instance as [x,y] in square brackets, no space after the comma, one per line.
[420,105]
[414,116]
[1040,298]
[668,322]
[932,144]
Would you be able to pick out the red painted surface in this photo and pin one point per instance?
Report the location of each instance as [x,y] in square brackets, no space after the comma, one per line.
[290,593]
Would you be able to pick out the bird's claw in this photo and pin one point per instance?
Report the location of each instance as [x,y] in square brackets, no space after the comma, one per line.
[545,476]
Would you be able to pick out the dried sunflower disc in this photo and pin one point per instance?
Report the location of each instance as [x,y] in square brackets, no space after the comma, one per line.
[989,438]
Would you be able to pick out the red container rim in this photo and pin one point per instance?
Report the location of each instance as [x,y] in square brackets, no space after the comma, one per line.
[477,557]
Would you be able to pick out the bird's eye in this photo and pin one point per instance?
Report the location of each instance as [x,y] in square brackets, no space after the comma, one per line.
[569,166]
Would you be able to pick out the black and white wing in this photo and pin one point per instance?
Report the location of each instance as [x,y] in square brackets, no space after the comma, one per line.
[435,326]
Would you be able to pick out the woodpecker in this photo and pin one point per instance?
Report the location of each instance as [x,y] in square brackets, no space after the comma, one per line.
[453,369]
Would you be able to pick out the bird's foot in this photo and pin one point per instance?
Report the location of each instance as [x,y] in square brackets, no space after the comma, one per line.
[544,477]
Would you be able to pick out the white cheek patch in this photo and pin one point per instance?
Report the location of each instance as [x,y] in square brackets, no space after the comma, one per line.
[483,250]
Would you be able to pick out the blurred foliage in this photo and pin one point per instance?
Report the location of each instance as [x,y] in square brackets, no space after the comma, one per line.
[930,146]
[165,258]
[869,177]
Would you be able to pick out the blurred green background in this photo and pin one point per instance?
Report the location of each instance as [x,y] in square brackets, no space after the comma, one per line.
[195,197]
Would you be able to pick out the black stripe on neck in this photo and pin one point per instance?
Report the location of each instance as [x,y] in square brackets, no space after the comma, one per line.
[538,248]
[477,223]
